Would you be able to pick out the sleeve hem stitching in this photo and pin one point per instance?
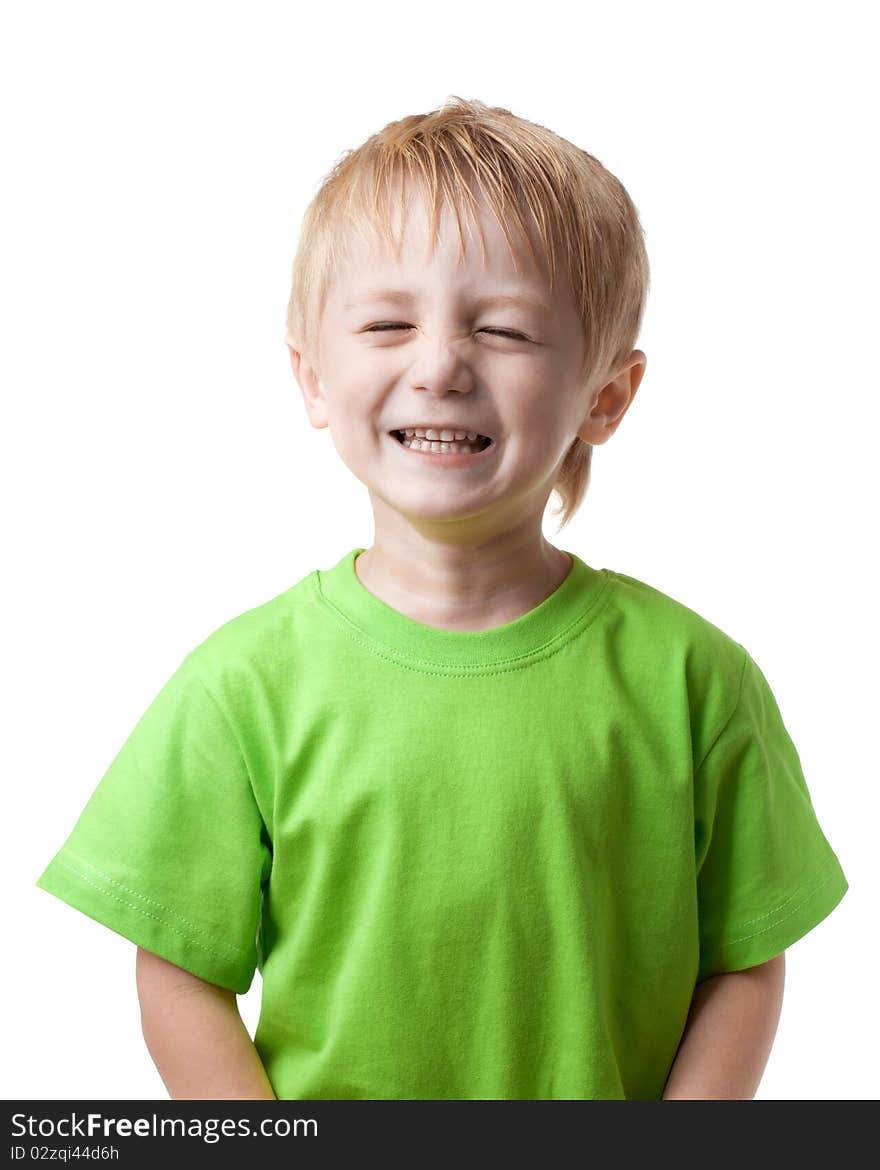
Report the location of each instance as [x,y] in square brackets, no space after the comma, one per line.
[778,922]
[226,956]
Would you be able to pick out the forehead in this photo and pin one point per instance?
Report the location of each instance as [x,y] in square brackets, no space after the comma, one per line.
[392,253]
[357,295]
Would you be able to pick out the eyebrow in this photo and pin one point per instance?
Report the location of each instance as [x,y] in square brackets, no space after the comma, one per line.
[402,297]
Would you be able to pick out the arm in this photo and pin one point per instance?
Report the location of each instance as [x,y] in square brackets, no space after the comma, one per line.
[728,1035]
[195,1035]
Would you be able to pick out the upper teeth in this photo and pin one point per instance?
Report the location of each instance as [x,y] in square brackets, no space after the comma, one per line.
[442,436]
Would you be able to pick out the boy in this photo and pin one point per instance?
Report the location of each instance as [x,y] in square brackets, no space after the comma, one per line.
[492,823]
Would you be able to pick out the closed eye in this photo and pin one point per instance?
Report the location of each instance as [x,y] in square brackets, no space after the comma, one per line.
[386,327]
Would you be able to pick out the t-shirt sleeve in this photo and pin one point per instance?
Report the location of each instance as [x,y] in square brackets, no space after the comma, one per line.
[766,875]
[171,850]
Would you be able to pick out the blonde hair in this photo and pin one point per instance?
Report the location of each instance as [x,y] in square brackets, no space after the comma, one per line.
[522,170]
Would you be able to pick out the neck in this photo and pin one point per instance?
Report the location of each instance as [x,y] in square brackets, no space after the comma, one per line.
[462,587]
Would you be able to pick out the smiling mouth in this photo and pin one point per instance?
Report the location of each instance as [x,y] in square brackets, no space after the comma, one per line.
[474,446]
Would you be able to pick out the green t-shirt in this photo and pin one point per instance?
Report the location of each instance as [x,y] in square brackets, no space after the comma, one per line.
[468,864]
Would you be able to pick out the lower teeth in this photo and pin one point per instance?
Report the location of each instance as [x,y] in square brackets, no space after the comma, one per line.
[441,448]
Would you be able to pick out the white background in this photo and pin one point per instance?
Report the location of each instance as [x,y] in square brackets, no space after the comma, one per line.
[160,475]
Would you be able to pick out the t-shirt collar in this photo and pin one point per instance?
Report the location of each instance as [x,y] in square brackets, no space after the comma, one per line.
[542,630]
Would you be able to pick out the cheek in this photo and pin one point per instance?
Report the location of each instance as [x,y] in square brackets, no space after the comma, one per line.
[351,408]
[357,433]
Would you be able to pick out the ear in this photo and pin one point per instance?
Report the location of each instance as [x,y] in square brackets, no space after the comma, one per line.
[610,404]
[311,386]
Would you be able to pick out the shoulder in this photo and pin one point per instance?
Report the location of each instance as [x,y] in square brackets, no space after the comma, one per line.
[259,647]
[670,626]
[669,646]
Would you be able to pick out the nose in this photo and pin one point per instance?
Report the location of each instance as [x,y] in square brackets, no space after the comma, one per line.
[439,370]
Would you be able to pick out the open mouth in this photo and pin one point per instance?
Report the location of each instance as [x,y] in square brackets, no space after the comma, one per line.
[453,447]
